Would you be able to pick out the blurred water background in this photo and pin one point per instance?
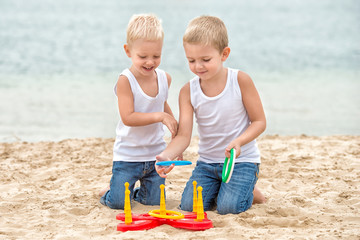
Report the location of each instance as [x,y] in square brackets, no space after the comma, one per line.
[59,61]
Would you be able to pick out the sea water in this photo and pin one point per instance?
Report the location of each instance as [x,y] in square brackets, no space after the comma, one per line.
[59,61]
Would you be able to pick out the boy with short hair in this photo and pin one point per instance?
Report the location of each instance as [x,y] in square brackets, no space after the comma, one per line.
[142,92]
[229,114]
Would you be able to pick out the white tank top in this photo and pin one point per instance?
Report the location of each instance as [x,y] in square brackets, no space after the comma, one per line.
[220,120]
[142,143]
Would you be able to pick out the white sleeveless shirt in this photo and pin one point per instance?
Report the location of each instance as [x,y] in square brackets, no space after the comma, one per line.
[142,143]
[220,120]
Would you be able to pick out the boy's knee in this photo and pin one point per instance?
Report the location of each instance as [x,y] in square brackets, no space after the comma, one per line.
[186,205]
[232,208]
[148,201]
[118,205]
[112,204]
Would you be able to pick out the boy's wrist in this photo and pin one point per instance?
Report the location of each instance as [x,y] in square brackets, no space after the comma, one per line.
[239,142]
[159,117]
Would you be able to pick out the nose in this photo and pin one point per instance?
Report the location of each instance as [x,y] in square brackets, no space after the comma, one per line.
[150,61]
[198,65]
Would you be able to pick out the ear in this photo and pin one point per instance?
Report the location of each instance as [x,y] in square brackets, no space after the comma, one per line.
[225,54]
[127,50]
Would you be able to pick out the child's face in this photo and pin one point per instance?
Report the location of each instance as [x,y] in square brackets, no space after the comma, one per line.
[204,60]
[145,55]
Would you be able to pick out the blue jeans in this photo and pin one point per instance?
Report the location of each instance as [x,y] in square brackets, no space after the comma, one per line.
[150,181]
[233,197]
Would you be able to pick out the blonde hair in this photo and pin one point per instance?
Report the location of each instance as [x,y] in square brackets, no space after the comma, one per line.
[144,26]
[207,30]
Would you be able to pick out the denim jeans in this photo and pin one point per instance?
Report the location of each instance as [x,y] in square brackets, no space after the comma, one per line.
[150,181]
[233,197]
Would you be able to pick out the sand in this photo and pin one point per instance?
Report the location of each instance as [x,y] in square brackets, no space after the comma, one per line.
[49,190]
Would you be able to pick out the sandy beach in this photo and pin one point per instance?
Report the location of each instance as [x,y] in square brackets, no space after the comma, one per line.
[49,190]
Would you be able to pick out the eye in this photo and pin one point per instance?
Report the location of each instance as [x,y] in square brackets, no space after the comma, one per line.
[156,56]
[206,59]
[142,57]
[191,61]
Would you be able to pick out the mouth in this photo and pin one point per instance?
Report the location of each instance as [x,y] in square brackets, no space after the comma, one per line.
[148,68]
[200,73]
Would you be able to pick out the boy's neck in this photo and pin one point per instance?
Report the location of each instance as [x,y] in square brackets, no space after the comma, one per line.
[214,86]
[219,77]
[140,77]
[148,84]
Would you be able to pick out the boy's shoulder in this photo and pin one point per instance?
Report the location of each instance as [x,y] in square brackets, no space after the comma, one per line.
[244,80]
[243,76]
[164,73]
[185,89]
[123,77]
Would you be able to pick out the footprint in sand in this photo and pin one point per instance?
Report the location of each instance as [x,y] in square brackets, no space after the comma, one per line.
[79,211]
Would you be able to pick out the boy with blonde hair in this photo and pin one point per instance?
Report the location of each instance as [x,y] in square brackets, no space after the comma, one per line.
[142,92]
[229,114]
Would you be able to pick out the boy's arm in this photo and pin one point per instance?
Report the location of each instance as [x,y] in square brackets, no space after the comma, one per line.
[182,140]
[254,108]
[131,118]
[169,120]
[167,108]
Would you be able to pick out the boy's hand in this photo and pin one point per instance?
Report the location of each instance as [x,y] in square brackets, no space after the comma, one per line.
[171,123]
[232,145]
[180,157]
[163,170]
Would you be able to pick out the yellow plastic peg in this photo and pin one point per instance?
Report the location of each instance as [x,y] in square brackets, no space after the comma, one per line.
[127,206]
[162,212]
[195,197]
[200,206]
[162,200]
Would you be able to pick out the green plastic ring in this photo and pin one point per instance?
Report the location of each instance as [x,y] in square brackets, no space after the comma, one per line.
[228,166]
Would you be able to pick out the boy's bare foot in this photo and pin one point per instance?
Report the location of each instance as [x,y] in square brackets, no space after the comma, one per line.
[103,191]
[258,196]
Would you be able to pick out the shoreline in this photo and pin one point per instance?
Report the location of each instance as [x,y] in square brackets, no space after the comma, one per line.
[49,191]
